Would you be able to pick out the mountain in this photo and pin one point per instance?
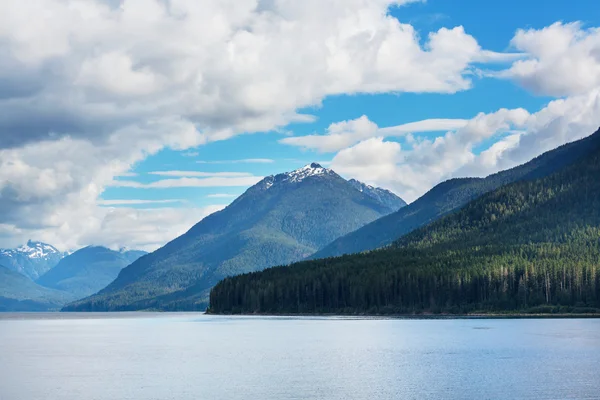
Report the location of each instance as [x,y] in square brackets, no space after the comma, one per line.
[281,219]
[381,195]
[32,260]
[19,293]
[530,246]
[88,270]
[449,196]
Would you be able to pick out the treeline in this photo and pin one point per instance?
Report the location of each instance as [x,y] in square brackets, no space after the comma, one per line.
[528,247]
[408,282]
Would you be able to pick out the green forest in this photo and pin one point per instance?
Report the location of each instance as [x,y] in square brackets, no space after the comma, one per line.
[527,247]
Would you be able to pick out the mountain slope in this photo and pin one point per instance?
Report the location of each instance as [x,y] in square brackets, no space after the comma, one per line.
[449,196]
[382,195]
[19,293]
[531,245]
[88,270]
[32,260]
[283,218]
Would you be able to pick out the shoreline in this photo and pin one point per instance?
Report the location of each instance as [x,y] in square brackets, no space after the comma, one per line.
[8,315]
[423,316]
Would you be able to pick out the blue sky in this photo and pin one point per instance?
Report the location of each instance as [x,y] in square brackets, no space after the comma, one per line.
[124,122]
[493,24]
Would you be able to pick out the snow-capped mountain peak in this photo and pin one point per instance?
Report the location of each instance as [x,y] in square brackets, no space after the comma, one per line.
[312,169]
[37,250]
[32,259]
[297,175]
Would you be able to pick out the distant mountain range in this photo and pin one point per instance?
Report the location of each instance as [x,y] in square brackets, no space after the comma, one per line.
[19,293]
[32,260]
[531,246]
[88,270]
[65,277]
[281,219]
[450,196]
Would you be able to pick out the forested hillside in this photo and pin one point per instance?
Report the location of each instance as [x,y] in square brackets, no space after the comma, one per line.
[88,270]
[19,293]
[451,195]
[282,219]
[530,246]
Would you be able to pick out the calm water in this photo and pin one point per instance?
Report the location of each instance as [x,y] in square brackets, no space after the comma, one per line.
[192,356]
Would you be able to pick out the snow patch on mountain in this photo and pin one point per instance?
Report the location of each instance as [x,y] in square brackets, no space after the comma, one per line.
[297,175]
[32,249]
[313,169]
[32,259]
[384,196]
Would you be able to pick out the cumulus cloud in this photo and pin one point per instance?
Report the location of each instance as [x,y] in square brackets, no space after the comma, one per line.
[88,67]
[145,229]
[413,168]
[341,135]
[49,190]
[563,59]
[114,227]
[88,88]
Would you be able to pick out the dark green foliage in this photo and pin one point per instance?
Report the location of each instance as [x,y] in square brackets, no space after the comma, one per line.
[530,246]
[19,293]
[449,196]
[277,221]
[88,270]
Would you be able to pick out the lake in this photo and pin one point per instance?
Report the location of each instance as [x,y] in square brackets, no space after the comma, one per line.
[194,356]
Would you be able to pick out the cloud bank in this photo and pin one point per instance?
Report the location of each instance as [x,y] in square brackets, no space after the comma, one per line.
[89,88]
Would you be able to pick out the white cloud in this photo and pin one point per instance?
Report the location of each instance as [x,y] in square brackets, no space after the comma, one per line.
[243,161]
[379,158]
[87,67]
[200,174]
[413,170]
[343,134]
[244,181]
[88,88]
[75,227]
[137,228]
[122,202]
[564,59]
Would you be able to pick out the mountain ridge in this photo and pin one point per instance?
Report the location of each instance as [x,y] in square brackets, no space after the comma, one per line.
[281,219]
[19,293]
[32,259]
[451,195]
[530,246]
[87,270]
[382,195]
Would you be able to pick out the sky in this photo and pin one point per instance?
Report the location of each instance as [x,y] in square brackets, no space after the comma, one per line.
[125,122]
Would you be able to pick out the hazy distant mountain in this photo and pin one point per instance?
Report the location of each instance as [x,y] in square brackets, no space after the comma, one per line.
[19,293]
[88,270]
[32,260]
[281,219]
[382,195]
[449,196]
